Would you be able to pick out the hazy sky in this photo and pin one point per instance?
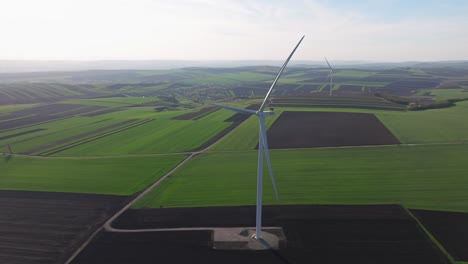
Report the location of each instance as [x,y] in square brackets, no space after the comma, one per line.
[391,30]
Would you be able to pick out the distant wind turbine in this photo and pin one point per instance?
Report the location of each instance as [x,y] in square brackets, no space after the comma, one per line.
[263,145]
[330,74]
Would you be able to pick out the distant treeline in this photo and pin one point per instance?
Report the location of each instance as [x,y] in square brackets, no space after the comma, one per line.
[435,105]
[416,106]
[394,98]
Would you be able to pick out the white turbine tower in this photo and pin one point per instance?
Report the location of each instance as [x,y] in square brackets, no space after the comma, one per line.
[330,74]
[263,145]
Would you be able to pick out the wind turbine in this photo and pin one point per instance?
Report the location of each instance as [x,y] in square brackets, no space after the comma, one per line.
[263,145]
[330,74]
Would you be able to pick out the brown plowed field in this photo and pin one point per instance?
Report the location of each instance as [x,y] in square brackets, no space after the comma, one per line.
[22,133]
[42,114]
[449,228]
[102,112]
[315,234]
[324,129]
[197,114]
[345,99]
[44,227]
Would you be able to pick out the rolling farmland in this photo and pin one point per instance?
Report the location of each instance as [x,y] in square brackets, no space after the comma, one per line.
[216,83]
[101,137]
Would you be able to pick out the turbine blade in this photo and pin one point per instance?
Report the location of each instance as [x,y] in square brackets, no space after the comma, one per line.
[267,155]
[278,76]
[238,110]
[328,64]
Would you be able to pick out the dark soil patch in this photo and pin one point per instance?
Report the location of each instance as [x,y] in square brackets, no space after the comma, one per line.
[103,111]
[351,88]
[409,86]
[449,85]
[45,227]
[197,114]
[82,110]
[37,115]
[315,234]
[281,88]
[119,86]
[324,129]
[307,88]
[449,228]
[24,93]
[345,99]
[22,133]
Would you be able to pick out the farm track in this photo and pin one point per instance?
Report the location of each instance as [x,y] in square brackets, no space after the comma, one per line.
[449,228]
[108,224]
[227,151]
[315,233]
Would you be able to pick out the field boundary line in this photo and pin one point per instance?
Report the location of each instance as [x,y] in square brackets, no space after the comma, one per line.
[207,151]
[436,243]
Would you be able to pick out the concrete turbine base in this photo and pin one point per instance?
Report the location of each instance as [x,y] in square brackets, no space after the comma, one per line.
[243,238]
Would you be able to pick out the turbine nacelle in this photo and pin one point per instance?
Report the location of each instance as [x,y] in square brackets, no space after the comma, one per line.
[265,113]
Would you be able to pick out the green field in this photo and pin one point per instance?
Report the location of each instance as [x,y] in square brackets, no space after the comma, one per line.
[441,94]
[162,135]
[117,175]
[12,108]
[114,101]
[147,132]
[429,126]
[425,177]
[52,132]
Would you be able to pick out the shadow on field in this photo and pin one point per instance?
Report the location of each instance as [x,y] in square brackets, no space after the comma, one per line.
[8,157]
